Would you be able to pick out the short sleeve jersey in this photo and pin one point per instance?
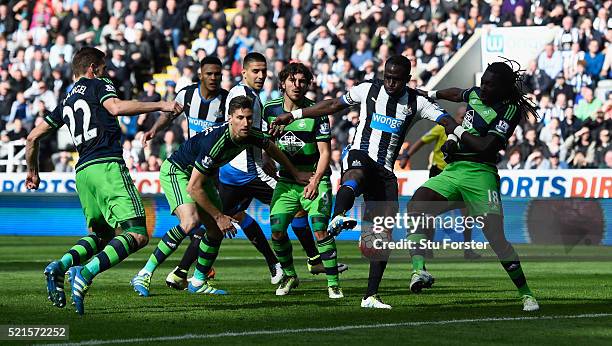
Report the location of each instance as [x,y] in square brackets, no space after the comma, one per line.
[95,132]
[384,119]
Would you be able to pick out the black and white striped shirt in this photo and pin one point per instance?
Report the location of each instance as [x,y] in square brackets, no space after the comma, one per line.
[385,120]
[248,164]
[201,113]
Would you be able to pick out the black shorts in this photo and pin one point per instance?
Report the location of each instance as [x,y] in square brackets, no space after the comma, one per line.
[379,184]
[236,198]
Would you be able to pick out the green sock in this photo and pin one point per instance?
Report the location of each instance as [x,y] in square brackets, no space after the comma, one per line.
[418,261]
[167,245]
[515,272]
[327,249]
[209,249]
[118,249]
[80,252]
[284,253]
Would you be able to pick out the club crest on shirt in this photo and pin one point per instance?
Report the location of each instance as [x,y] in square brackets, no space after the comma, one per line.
[291,143]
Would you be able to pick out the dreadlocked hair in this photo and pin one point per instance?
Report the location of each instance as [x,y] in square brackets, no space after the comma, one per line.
[508,75]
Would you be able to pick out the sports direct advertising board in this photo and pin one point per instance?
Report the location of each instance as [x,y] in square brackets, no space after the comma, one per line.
[586,183]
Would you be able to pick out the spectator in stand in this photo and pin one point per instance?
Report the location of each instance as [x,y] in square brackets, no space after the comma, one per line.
[536,80]
[561,87]
[514,160]
[603,147]
[60,48]
[580,149]
[556,162]
[594,60]
[119,73]
[139,37]
[172,23]
[536,160]
[588,105]
[551,129]
[17,132]
[558,109]
[550,61]
[168,147]
[184,60]
[62,162]
[532,143]
[581,79]
[205,41]
[153,164]
[587,34]
[301,49]
[566,37]
[570,124]
[607,162]
[556,147]
[336,164]
[170,93]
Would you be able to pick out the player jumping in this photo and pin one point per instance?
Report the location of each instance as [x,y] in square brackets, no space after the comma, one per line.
[106,190]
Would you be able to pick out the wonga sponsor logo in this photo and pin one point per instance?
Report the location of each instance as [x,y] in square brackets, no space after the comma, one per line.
[386,124]
[198,125]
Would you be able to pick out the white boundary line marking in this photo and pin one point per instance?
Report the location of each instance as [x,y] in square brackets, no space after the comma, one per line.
[328,329]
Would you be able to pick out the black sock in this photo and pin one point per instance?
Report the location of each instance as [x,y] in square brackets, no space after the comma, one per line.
[302,231]
[377,268]
[191,254]
[345,198]
[258,239]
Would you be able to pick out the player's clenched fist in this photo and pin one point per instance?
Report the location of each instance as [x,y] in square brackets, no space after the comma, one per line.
[32,181]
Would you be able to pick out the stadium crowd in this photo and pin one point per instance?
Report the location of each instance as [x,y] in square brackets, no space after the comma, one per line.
[153,47]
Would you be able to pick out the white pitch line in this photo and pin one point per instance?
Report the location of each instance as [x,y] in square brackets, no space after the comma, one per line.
[328,329]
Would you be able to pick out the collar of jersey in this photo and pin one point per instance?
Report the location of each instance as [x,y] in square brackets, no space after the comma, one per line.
[246,86]
[397,97]
[202,98]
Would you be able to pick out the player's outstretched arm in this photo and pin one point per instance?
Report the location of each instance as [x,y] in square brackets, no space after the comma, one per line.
[118,107]
[32,145]
[195,188]
[275,153]
[450,94]
[319,109]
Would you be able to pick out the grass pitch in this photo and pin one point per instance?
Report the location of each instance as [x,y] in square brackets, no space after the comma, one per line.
[471,302]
